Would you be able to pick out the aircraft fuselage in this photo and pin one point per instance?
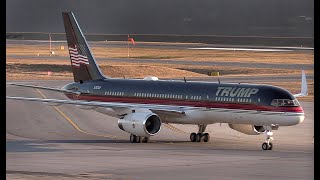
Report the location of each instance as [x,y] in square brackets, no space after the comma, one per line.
[221,102]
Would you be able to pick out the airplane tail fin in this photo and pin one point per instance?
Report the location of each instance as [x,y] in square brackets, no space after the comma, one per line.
[304,87]
[84,66]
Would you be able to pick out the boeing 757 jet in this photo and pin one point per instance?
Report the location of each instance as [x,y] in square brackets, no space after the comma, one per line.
[142,105]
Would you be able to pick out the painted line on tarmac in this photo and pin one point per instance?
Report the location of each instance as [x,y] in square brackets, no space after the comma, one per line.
[243,49]
[74,125]
[169,126]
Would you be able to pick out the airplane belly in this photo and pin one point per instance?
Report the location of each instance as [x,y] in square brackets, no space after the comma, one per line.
[234,116]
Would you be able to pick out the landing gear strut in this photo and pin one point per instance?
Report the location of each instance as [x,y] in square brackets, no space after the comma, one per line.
[200,136]
[138,139]
[267,145]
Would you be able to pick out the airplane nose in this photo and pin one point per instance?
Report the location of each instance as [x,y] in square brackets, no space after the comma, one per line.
[298,120]
[301,118]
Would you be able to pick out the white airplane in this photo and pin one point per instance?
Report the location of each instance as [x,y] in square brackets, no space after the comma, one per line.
[142,105]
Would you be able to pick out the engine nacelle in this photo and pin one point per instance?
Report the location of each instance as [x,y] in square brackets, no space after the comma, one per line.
[140,124]
[247,128]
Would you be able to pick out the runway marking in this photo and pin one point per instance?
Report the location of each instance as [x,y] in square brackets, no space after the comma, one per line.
[169,126]
[243,49]
[74,125]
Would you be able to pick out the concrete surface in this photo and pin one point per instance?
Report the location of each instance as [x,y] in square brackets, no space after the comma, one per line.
[44,142]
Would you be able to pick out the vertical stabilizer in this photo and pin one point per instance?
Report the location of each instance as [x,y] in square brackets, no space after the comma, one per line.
[84,66]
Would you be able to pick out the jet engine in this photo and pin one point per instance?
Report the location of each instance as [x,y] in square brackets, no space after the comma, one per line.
[143,124]
[247,128]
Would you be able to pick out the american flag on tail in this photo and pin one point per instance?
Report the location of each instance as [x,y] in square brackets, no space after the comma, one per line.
[78,56]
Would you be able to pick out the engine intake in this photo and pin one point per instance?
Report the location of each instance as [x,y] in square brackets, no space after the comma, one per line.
[140,123]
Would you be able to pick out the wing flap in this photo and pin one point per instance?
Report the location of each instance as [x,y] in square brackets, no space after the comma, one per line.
[169,113]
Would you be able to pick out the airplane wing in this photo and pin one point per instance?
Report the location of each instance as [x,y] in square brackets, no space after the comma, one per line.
[46,88]
[177,110]
[304,87]
[158,109]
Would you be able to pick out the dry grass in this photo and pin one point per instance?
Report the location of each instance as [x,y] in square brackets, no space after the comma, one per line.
[138,70]
[208,55]
[37,69]
[294,88]
[168,70]
[40,71]
[141,71]
[175,54]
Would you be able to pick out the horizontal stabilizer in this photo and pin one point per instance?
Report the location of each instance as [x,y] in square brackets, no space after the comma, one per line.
[46,88]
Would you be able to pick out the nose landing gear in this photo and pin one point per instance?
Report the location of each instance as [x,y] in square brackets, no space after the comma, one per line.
[200,136]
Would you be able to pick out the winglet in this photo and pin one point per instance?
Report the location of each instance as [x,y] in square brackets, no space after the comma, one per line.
[304,86]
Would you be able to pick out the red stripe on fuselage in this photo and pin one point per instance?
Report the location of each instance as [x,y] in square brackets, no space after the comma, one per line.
[206,104]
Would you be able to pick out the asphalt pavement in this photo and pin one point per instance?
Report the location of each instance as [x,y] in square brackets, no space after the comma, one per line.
[68,142]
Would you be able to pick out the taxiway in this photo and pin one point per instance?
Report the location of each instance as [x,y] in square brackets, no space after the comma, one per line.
[68,142]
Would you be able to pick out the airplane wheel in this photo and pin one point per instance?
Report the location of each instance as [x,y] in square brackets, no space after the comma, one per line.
[199,137]
[133,138]
[193,137]
[206,137]
[265,146]
[270,146]
[138,139]
[145,139]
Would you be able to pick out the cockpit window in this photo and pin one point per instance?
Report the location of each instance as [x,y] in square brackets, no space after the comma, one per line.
[285,102]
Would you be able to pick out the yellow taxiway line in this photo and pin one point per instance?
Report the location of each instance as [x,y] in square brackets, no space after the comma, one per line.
[74,125]
[169,126]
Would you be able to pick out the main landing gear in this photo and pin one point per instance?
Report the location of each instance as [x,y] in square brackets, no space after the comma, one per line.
[138,139]
[200,136]
[267,145]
